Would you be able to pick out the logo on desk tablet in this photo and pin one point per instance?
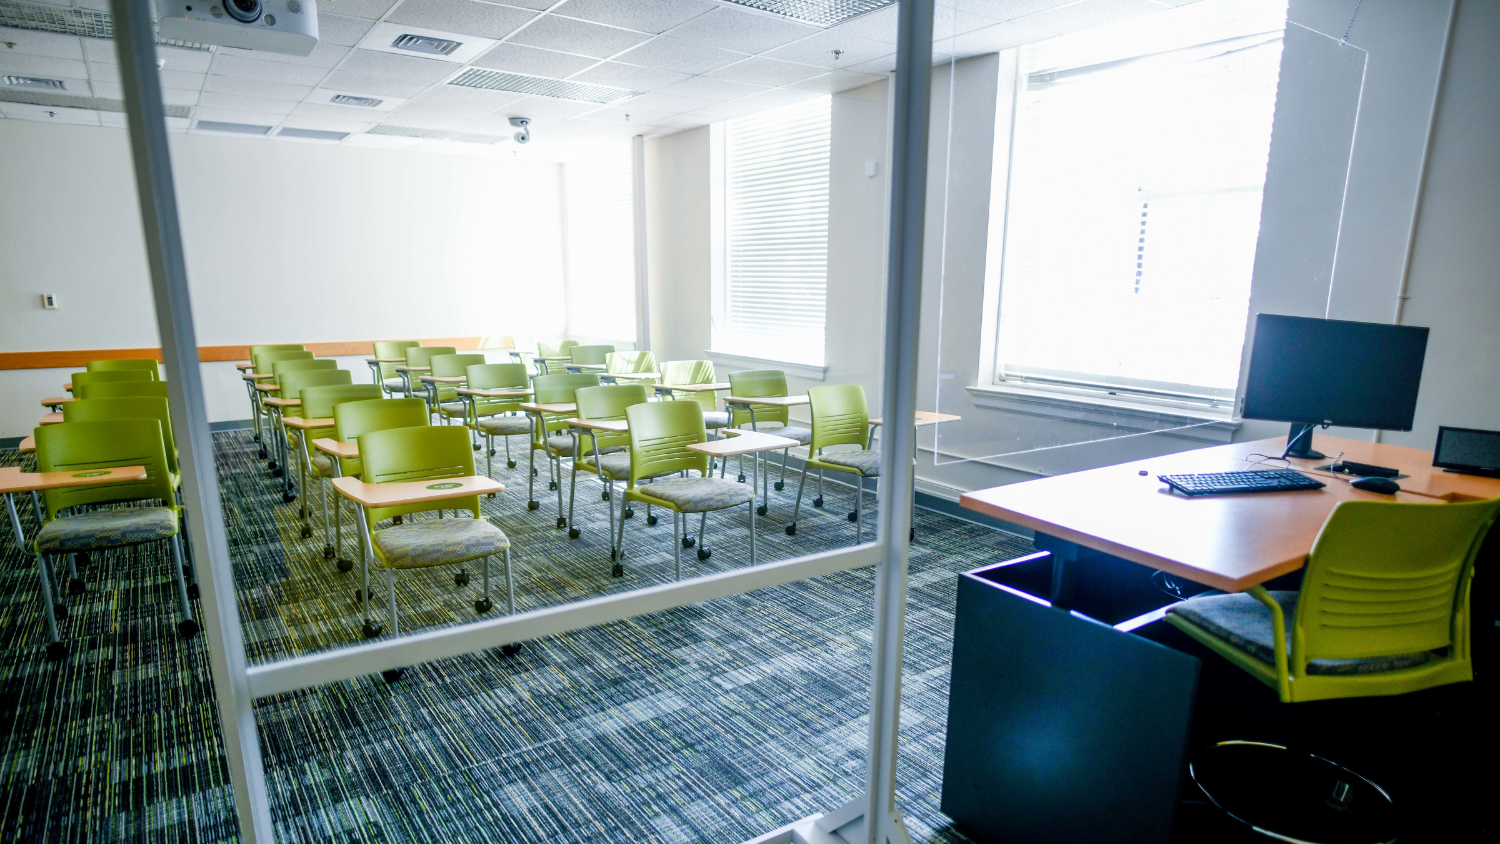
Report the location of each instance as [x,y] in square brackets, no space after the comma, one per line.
[444,486]
[91,474]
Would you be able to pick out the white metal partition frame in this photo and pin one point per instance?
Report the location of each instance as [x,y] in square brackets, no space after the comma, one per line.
[238,685]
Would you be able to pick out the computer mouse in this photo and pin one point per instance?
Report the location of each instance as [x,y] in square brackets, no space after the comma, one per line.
[1384,486]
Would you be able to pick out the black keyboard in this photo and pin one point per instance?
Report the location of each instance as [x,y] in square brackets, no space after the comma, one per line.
[1224,483]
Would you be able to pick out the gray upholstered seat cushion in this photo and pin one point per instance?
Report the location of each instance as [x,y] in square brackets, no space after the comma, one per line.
[1245,623]
[457,408]
[867,463]
[696,495]
[716,419]
[438,541]
[322,465]
[563,444]
[112,528]
[616,466]
[505,426]
[394,384]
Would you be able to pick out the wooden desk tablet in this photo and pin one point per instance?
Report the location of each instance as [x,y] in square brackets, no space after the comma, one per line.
[27,446]
[329,445]
[444,379]
[414,492]
[283,403]
[925,418]
[554,407]
[13,480]
[306,424]
[385,360]
[690,388]
[55,402]
[53,418]
[631,376]
[267,388]
[256,376]
[68,387]
[742,442]
[613,426]
[769,401]
[404,368]
[495,393]
[244,366]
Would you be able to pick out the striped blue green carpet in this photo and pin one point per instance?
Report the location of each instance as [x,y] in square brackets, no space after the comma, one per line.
[711,723]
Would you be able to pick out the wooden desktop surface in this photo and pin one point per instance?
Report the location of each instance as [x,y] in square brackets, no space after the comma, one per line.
[549,407]
[54,418]
[256,376]
[328,445]
[267,388]
[55,401]
[13,480]
[769,401]
[414,492]
[307,424]
[443,379]
[742,442]
[27,446]
[617,426]
[925,418]
[244,366]
[1229,542]
[495,392]
[275,402]
[691,388]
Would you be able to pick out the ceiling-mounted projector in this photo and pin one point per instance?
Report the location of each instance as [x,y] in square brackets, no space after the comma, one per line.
[271,26]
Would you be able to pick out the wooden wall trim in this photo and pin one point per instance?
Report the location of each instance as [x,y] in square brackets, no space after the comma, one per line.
[79,358]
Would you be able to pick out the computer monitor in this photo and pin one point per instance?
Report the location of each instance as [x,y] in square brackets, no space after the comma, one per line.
[1312,372]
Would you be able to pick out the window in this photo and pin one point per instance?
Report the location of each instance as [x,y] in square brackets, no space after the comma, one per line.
[1138,157]
[600,214]
[771,299]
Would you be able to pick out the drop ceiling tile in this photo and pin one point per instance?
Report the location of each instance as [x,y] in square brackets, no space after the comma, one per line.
[397,67]
[342,31]
[423,119]
[834,82]
[708,88]
[42,66]
[529,106]
[437,111]
[50,44]
[175,58]
[629,76]
[333,112]
[367,9]
[256,88]
[947,21]
[112,118]
[107,90]
[179,96]
[684,121]
[581,37]
[666,104]
[359,83]
[684,56]
[268,71]
[50,114]
[106,72]
[883,64]
[499,124]
[880,25]
[758,70]
[1049,23]
[238,103]
[464,17]
[379,141]
[98,50]
[225,115]
[323,55]
[819,50]
[774,97]
[326,125]
[461,95]
[532,61]
[177,79]
[731,29]
[1005,10]
[624,115]
[724,111]
[641,15]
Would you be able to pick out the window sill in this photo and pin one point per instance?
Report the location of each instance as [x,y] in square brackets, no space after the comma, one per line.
[805,371]
[1115,413]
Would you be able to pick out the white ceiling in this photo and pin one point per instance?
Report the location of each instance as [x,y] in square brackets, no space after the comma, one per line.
[693,62]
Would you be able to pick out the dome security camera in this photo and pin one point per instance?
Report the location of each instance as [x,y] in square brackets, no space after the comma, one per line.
[523,136]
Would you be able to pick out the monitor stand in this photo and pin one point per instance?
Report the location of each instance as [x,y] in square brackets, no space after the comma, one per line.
[1299,442]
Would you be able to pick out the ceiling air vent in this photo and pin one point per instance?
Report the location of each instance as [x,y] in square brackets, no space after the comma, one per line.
[36,82]
[824,13]
[426,44]
[232,128]
[434,134]
[538,86]
[312,134]
[85,23]
[351,100]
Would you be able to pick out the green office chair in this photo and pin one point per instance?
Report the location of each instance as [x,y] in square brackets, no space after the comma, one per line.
[425,454]
[1384,609]
[147,364]
[83,379]
[261,359]
[549,433]
[352,419]
[444,398]
[84,446]
[561,349]
[628,363]
[590,355]
[121,389]
[278,366]
[318,403]
[130,407]
[599,451]
[501,418]
[768,383]
[290,385]
[688,373]
[385,373]
[659,435]
[840,417]
[421,356]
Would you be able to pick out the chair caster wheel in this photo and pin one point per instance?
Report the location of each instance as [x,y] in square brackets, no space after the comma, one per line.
[56,651]
[476,446]
[305,532]
[483,605]
[617,571]
[275,473]
[461,579]
[705,553]
[271,464]
[574,533]
[75,587]
[762,510]
[327,552]
[630,514]
[791,529]
[780,485]
[650,520]
[687,541]
[562,522]
[551,485]
[187,628]
[371,629]
[491,495]
[60,610]
[510,464]
[359,595]
[511,649]
[741,479]
[393,675]
[396,520]
[345,565]
[263,455]
[82,560]
[853,516]
[603,496]
[288,497]
[532,505]
[492,452]
[818,502]
[533,473]
[192,590]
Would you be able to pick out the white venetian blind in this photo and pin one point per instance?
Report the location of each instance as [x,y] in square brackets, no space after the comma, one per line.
[776,222]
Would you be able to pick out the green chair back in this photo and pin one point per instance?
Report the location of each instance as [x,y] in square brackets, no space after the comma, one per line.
[623,363]
[591,355]
[559,389]
[83,379]
[392,350]
[560,349]
[758,383]
[660,433]
[423,355]
[148,364]
[687,373]
[604,403]
[282,367]
[496,376]
[400,455]
[275,347]
[292,383]
[120,389]
[319,402]
[132,407]
[450,366]
[840,416]
[82,446]
[265,360]
[352,419]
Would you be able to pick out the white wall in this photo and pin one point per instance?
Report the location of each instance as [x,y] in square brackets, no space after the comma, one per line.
[285,242]
[678,244]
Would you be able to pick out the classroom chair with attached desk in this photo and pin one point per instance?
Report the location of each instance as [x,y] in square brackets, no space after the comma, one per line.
[425,454]
[444,398]
[549,433]
[626,363]
[840,416]
[660,433]
[590,355]
[145,364]
[85,446]
[497,417]
[79,380]
[768,383]
[121,389]
[601,452]
[690,373]
[389,378]
[264,363]
[130,407]
[257,410]
[422,356]
[1384,609]
[289,384]
[560,349]
[319,403]
[352,419]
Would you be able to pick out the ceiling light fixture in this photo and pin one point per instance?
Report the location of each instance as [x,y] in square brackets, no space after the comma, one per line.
[426,44]
[351,100]
[823,13]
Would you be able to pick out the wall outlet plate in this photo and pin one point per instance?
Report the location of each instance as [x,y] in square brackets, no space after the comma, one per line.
[49,302]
